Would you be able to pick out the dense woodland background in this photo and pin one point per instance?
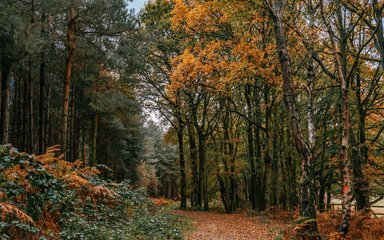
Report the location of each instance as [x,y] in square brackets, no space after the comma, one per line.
[262,104]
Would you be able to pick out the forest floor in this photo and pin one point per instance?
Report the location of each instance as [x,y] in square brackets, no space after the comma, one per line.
[236,226]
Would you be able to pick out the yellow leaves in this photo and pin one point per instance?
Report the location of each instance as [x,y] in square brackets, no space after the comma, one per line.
[11,211]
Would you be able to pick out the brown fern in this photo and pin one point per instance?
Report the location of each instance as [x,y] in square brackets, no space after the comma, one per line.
[9,210]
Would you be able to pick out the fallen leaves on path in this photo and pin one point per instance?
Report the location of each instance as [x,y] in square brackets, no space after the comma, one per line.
[236,226]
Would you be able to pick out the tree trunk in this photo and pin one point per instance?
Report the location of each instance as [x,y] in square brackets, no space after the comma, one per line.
[31,127]
[340,65]
[48,128]
[94,140]
[30,145]
[42,85]
[193,156]
[202,175]
[268,150]
[379,40]
[284,194]
[260,204]
[311,77]
[42,102]
[183,179]
[5,95]
[71,45]
[308,228]
[251,152]
[360,154]
[291,173]
[71,130]
[275,172]
[25,116]
[17,125]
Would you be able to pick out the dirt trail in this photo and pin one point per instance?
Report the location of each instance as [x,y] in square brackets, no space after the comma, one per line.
[239,226]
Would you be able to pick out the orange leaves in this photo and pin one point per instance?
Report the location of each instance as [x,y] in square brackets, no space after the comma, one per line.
[194,16]
[14,173]
[11,211]
[178,14]
[212,225]
[160,201]
[73,174]
[69,171]
[76,181]
[225,45]
[362,226]
[197,63]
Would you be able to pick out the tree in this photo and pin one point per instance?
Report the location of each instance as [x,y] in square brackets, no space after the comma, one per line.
[307,201]
[163,44]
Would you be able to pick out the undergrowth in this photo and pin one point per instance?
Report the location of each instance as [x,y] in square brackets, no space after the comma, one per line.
[362,226]
[46,197]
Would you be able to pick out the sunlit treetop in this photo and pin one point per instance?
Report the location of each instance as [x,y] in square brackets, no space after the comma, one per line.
[225,42]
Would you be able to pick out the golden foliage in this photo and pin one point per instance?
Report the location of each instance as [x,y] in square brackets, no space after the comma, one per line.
[222,47]
[11,211]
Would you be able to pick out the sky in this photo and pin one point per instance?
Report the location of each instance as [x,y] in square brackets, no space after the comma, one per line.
[137,4]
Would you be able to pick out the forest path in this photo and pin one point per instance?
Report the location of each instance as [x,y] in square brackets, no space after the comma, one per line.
[236,226]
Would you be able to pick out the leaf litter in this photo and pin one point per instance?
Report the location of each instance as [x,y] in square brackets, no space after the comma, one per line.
[235,226]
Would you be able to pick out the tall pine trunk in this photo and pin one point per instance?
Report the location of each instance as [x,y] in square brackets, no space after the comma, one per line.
[94,140]
[5,95]
[30,135]
[71,45]
[31,127]
[42,102]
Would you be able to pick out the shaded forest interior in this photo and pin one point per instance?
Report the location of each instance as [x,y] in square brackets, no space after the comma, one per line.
[264,104]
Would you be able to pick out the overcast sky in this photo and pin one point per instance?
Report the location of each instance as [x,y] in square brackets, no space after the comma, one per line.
[137,4]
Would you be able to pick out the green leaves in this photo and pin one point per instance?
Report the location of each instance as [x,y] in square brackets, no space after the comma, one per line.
[135,218]
[50,203]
